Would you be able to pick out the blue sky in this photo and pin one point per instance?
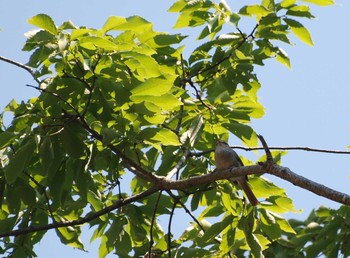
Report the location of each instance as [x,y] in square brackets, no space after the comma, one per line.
[305,106]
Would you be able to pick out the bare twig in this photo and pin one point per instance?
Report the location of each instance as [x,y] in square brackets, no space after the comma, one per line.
[45,195]
[190,82]
[151,241]
[169,226]
[23,66]
[287,148]
[269,157]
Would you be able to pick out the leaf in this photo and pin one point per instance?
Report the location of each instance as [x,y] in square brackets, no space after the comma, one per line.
[72,143]
[145,65]
[135,23]
[153,87]
[300,31]
[193,130]
[320,2]
[45,22]
[70,236]
[112,22]
[19,161]
[165,102]
[6,138]
[93,43]
[191,19]
[283,58]
[256,10]
[287,3]
[46,153]
[160,136]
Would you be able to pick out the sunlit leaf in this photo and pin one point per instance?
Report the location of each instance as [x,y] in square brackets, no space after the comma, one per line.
[300,31]
[45,22]
[320,2]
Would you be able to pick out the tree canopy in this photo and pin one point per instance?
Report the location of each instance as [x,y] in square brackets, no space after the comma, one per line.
[121,136]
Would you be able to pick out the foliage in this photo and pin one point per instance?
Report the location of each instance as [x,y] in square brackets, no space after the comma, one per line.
[120,103]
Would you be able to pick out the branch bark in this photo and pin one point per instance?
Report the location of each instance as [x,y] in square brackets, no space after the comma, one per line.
[20,65]
[163,183]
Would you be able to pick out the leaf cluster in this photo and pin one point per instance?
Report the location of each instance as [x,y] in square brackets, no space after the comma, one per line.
[119,105]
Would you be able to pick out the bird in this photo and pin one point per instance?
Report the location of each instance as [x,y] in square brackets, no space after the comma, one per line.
[225,158]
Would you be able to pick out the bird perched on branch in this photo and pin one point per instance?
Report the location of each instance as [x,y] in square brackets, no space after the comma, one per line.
[225,158]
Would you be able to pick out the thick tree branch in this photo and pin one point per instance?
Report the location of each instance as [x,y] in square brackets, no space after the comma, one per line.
[307,184]
[163,183]
[23,66]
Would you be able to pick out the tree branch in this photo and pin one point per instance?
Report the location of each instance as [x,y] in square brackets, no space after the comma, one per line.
[304,148]
[82,220]
[307,184]
[163,183]
[20,65]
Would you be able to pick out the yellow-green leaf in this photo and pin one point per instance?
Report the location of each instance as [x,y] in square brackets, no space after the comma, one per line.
[320,2]
[283,57]
[166,101]
[300,31]
[160,136]
[45,22]
[287,3]
[153,86]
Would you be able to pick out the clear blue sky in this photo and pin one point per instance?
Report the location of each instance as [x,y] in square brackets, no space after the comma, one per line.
[306,106]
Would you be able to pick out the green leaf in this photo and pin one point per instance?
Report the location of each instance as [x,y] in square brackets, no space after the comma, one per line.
[320,2]
[300,11]
[94,42]
[70,236]
[19,161]
[6,138]
[112,22]
[160,136]
[193,130]
[145,66]
[287,3]
[244,132]
[153,87]
[283,58]
[256,10]
[135,23]
[165,102]
[72,143]
[300,31]
[46,153]
[191,19]
[177,6]
[45,22]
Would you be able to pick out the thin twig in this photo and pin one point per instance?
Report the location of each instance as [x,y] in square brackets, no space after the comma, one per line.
[287,148]
[190,82]
[151,241]
[55,95]
[269,157]
[45,195]
[23,66]
[181,111]
[169,226]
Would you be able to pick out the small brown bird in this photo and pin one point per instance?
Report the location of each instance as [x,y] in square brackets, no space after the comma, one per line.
[225,158]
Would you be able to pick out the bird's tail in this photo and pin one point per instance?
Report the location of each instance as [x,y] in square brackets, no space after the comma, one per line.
[249,193]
